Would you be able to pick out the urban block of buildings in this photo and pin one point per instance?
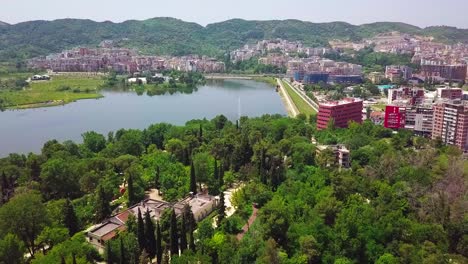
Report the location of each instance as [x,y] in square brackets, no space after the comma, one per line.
[122,60]
[438,115]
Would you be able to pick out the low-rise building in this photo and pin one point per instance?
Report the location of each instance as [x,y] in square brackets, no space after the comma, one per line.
[342,154]
[450,93]
[376,77]
[397,73]
[201,205]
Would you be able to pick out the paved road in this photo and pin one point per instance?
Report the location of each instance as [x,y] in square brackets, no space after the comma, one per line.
[304,97]
[290,106]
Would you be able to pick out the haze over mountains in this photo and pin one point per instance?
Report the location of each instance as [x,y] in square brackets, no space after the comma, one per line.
[176,37]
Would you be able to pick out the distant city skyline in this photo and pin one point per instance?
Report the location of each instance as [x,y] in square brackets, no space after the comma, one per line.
[420,13]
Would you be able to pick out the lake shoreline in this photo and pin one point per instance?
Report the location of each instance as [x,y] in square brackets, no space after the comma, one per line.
[26,130]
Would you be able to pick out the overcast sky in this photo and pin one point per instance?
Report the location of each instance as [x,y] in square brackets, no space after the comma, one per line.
[417,12]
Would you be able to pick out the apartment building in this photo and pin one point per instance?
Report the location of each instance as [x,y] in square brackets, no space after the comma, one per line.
[341,112]
[451,123]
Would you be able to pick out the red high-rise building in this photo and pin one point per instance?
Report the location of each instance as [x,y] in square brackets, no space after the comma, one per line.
[341,112]
[394,117]
[451,123]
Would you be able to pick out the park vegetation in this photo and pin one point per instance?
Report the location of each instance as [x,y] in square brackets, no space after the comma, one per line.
[402,201]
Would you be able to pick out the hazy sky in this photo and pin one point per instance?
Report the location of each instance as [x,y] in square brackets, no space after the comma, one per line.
[417,12]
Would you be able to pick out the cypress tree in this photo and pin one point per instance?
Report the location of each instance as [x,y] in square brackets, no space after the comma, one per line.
[183,234]
[122,252]
[200,133]
[109,257]
[262,168]
[35,170]
[157,178]
[193,180]
[149,234]
[221,176]
[4,187]
[221,208]
[141,231]
[216,170]
[103,209]
[131,191]
[191,226]
[159,249]
[174,238]
[71,221]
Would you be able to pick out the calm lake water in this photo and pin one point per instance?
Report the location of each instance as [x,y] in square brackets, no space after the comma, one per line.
[24,131]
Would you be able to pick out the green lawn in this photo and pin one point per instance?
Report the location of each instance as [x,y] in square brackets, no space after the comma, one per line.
[14,75]
[270,80]
[59,90]
[301,105]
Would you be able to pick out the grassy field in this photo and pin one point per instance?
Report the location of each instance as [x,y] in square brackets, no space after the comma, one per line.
[301,105]
[270,80]
[59,90]
[378,107]
[14,75]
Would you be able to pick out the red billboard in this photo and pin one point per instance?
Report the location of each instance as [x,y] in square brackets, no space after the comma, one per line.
[394,117]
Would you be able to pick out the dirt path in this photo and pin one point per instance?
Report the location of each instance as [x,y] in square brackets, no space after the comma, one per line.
[246,227]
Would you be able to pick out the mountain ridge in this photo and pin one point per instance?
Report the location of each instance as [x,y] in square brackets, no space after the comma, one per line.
[172,36]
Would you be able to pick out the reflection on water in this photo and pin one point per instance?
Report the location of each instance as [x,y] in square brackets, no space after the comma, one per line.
[27,130]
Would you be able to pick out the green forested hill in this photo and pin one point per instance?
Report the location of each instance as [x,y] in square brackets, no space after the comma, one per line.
[176,37]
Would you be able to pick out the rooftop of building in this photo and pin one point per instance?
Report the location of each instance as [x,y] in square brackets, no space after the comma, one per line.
[106,230]
[344,101]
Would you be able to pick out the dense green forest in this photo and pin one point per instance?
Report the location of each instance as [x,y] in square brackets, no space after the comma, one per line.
[402,201]
[176,37]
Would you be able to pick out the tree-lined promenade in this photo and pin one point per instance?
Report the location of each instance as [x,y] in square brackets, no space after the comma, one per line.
[300,101]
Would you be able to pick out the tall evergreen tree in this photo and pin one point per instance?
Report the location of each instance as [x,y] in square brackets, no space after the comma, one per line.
[141,231]
[159,249]
[216,170]
[221,176]
[200,133]
[149,235]
[157,178]
[221,207]
[131,191]
[4,186]
[109,256]
[103,209]
[122,252]
[35,170]
[183,234]
[174,236]
[190,219]
[193,180]
[71,221]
